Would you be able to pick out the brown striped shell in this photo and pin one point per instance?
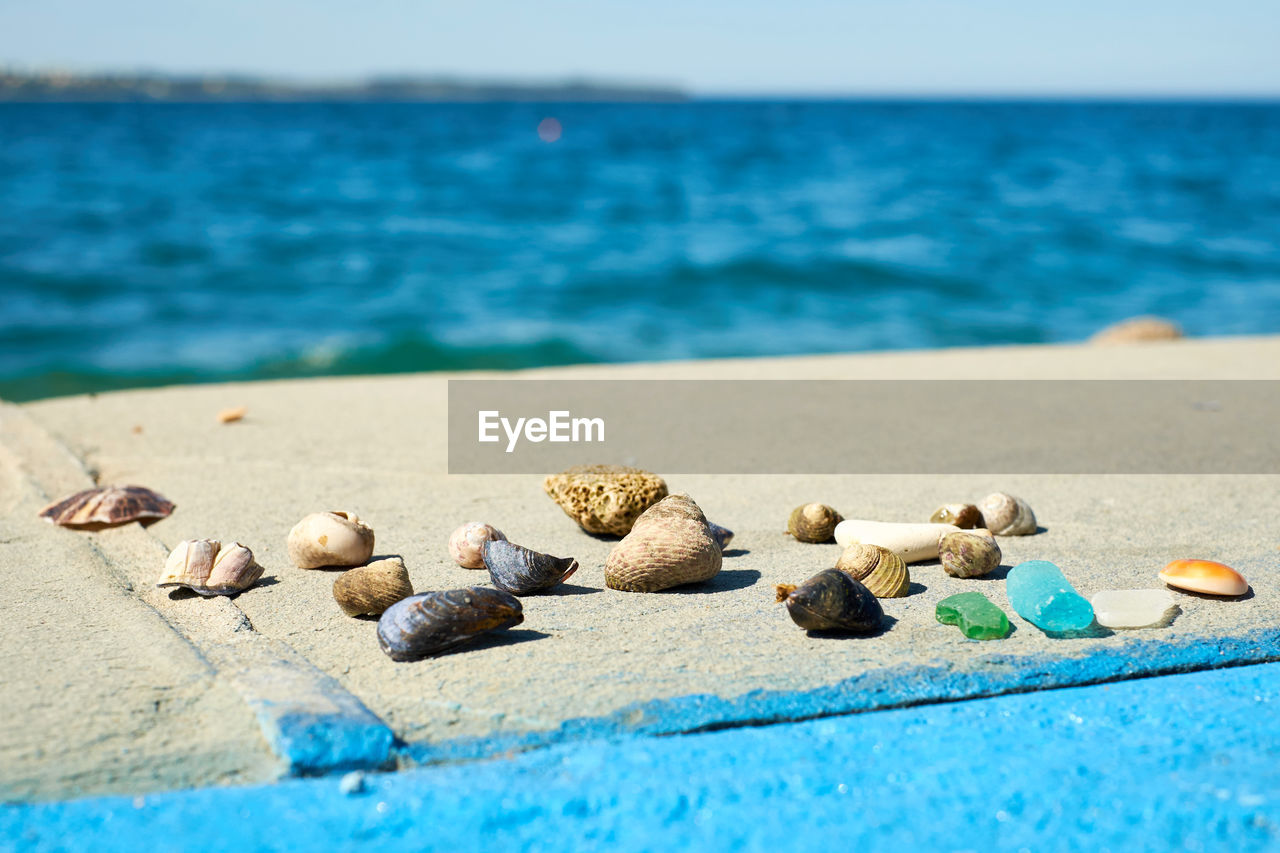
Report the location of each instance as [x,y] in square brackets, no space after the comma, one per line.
[371,589]
[428,623]
[813,522]
[605,499]
[108,506]
[964,516]
[205,566]
[669,545]
[879,569]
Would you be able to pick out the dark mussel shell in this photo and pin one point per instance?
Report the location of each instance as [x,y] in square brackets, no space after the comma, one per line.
[722,535]
[522,572]
[426,624]
[832,601]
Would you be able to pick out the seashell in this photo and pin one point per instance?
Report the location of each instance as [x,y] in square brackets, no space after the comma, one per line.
[969,553]
[605,499]
[670,545]
[1005,515]
[108,506]
[878,569]
[330,539]
[1204,576]
[466,542]
[1136,330]
[813,522]
[722,535]
[912,542]
[832,601]
[520,571]
[428,623]
[964,516]
[369,590]
[230,416]
[206,567]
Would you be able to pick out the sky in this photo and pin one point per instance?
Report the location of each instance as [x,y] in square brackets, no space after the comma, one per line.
[711,47]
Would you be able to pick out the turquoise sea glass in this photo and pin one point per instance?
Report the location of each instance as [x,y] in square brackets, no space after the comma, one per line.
[1040,593]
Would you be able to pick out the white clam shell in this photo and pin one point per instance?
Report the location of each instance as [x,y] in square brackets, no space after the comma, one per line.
[205,566]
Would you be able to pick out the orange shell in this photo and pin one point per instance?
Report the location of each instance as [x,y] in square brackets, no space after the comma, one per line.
[1204,576]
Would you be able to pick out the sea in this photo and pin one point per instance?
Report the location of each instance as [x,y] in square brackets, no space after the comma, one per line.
[156,243]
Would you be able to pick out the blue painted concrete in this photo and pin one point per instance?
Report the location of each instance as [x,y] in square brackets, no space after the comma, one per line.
[1188,762]
[879,689]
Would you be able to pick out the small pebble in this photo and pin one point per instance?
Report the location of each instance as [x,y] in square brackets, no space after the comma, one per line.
[352,783]
[227,416]
[1131,608]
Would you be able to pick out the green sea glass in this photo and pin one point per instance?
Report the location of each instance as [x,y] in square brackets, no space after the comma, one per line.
[975,615]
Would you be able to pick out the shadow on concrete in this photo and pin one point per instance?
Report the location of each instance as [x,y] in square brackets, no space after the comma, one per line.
[727,580]
[886,624]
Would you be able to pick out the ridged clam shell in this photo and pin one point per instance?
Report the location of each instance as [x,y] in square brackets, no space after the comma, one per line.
[878,569]
[1005,515]
[428,623]
[605,499]
[108,506]
[467,543]
[969,553]
[832,601]
[369,590]
[722,535]
[964,516]
[206,567]
[670,545]
[520,571]
[813,522]
[335,538]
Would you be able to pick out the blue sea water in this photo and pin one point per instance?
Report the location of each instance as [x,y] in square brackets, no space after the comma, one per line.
[154,243]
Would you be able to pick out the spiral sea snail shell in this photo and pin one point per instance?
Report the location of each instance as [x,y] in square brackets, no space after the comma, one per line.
[813,522]
[369,590]
[832,601]
[330,539]
[466,544]
[1005,515]
[969,553]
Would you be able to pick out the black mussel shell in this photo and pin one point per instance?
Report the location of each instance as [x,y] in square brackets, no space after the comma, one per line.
[522,572]
[833,601]
[722,535]
[422,625]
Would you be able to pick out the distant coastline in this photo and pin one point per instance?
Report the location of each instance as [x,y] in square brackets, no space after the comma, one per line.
[63,87]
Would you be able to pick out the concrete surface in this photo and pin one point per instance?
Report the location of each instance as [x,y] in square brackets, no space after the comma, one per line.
[1187,762]
[592,662]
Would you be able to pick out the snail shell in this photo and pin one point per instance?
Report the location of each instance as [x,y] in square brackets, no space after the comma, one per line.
[813,522]
[467,541]
[912,542]
[108,506]
[722,535]
[520,571]
[206,567]
[330,539]
[832,600]
[878,569]
[1005,515]
[964,516]
[428,623]
[670,545]
[969,553]
[369,590]
[605,499]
